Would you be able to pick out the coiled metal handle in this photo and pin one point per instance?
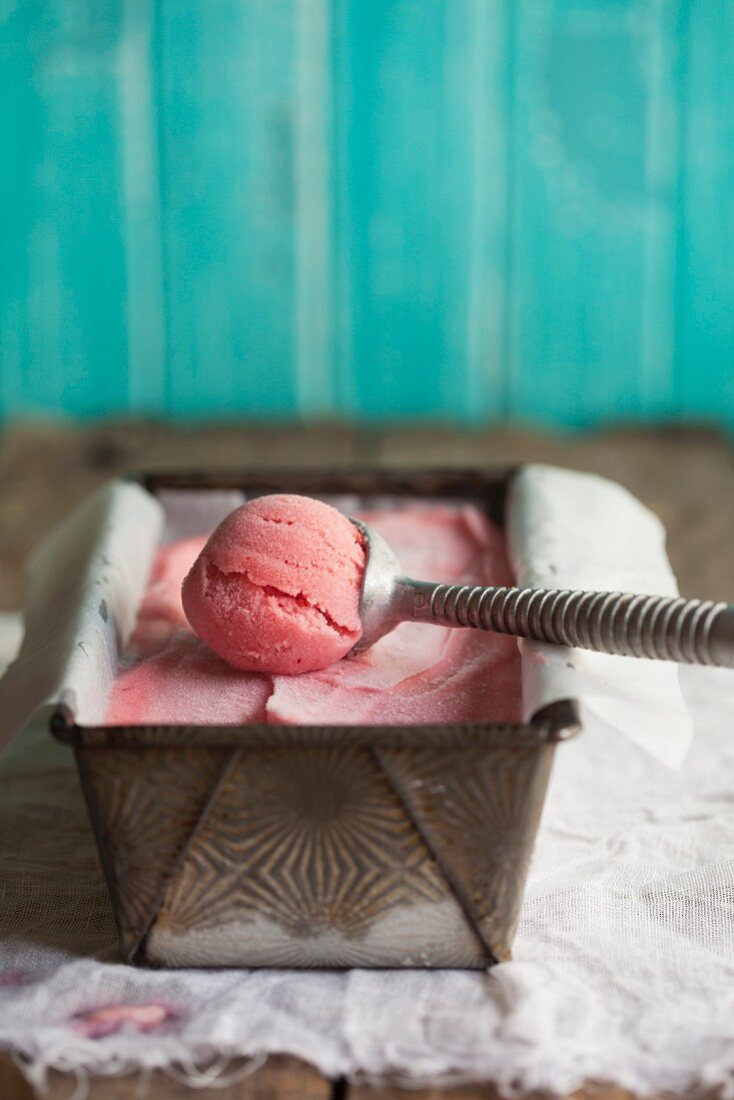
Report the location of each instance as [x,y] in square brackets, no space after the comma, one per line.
[661,627]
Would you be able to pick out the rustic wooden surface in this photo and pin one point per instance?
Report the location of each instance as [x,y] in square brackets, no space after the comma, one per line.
[280,1078]
[685,475]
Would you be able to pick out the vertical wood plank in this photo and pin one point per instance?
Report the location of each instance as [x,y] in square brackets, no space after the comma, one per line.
[313,140]
[226,95]
[487,82]
[63,286]
[141,199]
[594,218]
[342,243]
[15,170]
[420,191]
[663,24]
[706,286]
[391,53]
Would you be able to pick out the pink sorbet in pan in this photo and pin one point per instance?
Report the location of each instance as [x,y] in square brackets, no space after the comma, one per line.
[277,586]
[184,678]
[417,674]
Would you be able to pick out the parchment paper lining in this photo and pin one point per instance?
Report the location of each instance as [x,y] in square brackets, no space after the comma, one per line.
[572,530]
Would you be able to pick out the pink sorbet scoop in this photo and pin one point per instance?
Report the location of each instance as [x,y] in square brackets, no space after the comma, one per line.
[277,586]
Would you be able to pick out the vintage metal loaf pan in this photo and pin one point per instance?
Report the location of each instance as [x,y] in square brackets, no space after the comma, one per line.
[319,846]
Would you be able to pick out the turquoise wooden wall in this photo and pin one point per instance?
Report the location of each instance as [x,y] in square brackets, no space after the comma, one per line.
[474,209]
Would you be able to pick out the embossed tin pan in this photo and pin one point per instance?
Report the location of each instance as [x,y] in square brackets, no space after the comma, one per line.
[311,846]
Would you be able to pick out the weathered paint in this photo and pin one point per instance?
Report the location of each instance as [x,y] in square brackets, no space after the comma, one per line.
[463,208]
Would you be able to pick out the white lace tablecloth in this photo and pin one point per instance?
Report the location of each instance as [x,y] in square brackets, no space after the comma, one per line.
[624,958]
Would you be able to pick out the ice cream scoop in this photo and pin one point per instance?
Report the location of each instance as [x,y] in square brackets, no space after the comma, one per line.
[628,624]
[277,586]
[287,584]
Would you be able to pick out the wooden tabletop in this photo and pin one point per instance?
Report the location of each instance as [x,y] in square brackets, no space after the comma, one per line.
[279,1078]
[683,474]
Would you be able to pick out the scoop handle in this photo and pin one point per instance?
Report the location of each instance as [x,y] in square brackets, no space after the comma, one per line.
[666,628]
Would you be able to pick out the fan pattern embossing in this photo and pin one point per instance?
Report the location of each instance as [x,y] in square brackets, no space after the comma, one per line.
[316,842]
[145,804]
[479,811]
